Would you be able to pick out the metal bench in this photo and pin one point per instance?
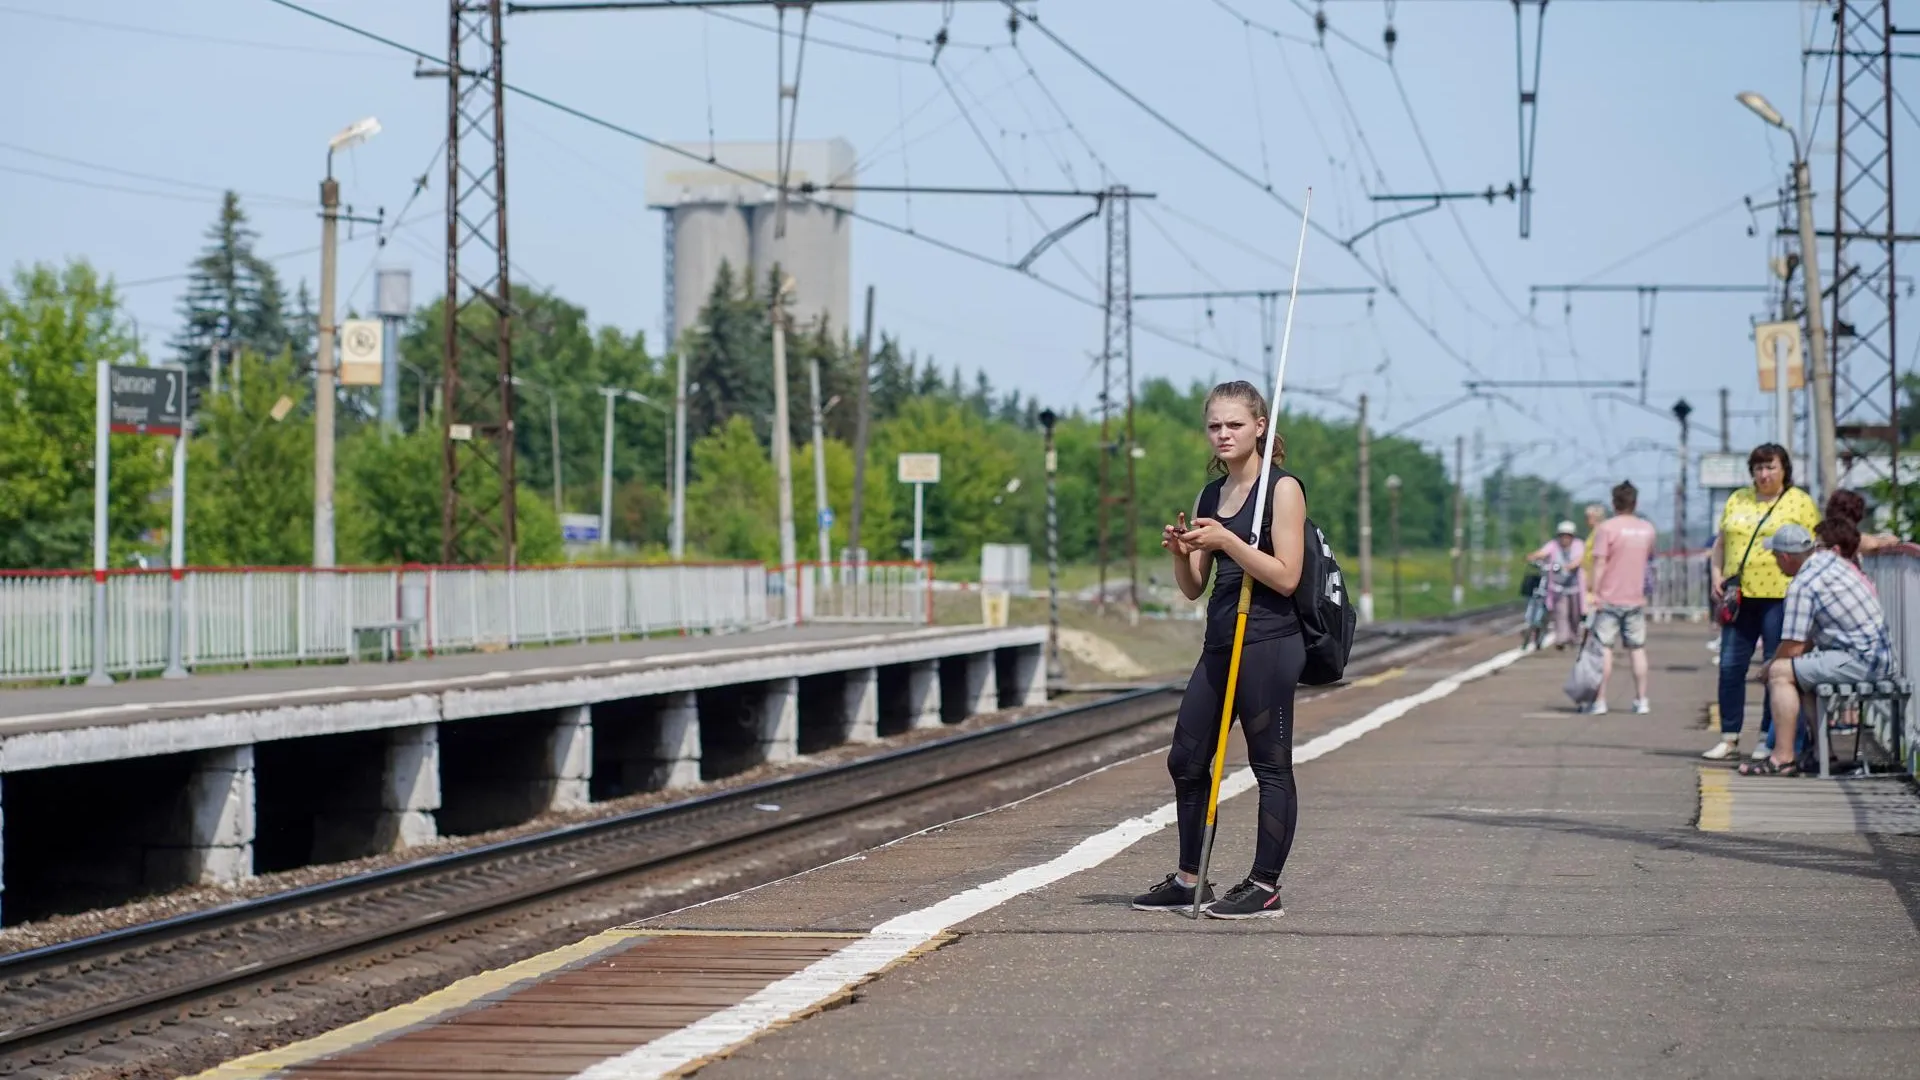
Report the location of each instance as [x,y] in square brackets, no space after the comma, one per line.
[1833,699]
[381,636]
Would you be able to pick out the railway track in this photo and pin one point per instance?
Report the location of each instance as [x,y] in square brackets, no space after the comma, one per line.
[65,1003]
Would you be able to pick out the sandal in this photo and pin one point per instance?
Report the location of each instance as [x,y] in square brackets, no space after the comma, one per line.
[1768,767]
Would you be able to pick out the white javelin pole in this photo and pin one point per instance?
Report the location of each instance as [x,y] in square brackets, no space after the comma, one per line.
[1246,580]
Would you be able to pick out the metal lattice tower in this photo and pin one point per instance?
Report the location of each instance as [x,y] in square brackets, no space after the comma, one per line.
[1866,389]
[477,355]
[1117,353]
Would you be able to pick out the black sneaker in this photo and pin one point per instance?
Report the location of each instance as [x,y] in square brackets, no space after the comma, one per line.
[1169,895]
[1247,901]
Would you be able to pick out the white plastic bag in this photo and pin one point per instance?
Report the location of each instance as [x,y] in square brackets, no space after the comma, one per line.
[1583,682]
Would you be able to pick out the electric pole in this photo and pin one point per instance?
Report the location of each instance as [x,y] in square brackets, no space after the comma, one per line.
[822,513]
[1459,521]
[783,439]
[606,472]
[323,391]
[679,539]
[1366,517]
[1726,431]
[860,437]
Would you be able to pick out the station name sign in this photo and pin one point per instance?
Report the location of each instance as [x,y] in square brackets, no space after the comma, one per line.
[146,400]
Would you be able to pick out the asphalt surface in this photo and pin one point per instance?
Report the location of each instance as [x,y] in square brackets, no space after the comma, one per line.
[1488,886]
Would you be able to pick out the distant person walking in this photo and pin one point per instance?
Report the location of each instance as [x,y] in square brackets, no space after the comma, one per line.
[1559,559]
[1622,551]
[1747,585]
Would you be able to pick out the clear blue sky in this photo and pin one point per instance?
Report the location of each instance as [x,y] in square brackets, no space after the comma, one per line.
[1639,137]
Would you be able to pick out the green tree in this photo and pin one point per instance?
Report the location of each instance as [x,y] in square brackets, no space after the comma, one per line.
[390,508]
[233,297]
[967,507]
[730,355]
[250,471]
[730,501]
[880,498]
[56,323]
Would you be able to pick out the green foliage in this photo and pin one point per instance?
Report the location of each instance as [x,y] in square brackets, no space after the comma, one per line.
[878,509]
[56,323]
[730,499]
[967,507]
[390,508]
[250,476]
[233,297]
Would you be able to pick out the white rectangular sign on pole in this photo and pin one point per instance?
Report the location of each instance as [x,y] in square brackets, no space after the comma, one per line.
[919,470]
[1723,472]
[362,359]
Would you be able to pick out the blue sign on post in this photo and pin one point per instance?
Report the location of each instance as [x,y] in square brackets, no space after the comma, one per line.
[580,528]
[826,518]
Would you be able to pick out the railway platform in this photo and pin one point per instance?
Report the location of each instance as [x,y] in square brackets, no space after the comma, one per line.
[117,790]
[1486,883]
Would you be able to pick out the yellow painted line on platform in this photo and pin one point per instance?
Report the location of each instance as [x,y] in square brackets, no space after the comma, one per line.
[460,995]
[1376,679]
[1716,800]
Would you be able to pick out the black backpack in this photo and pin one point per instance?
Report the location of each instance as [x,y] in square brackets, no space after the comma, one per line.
[1327,616]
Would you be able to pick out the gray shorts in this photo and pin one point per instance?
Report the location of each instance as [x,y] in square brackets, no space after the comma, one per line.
[1829,666]
[1612,625]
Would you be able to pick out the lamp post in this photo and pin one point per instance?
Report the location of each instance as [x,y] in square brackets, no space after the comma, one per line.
[323,390]
[606,462]
[1393,501]
[1822,375]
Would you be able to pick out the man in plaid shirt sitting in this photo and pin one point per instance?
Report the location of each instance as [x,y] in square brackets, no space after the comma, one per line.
[1833,631]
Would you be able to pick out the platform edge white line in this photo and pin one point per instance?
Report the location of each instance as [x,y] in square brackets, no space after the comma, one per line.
[894,939]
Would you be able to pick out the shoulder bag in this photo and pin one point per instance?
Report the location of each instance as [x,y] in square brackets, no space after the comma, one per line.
[1729,608]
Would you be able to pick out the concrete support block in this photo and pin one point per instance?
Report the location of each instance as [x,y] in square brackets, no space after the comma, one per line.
[410,788]
[1022,672]
[676,755]
[779,716]
[923,695]
[861,706]
[569,761]
[210,841]
[969,686]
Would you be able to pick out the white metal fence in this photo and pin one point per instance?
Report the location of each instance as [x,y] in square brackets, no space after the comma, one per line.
[238,617]
[1896,576]
[1680,586]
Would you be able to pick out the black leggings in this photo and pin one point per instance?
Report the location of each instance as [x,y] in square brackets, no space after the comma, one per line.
[1269,675]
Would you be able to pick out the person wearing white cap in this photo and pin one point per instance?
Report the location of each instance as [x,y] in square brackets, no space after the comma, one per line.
[1833,630]
[1560,559]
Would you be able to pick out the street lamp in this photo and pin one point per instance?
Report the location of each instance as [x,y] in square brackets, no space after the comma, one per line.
[1816,322]
[323,389]
[606,461]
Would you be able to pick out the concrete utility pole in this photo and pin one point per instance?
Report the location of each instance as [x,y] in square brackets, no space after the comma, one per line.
[1459,521]
[822,513]
[783,438]
[1726,428]
[323,390]
[1829,470]
[1366,517]
[860,437]
[679,540]
[606,472]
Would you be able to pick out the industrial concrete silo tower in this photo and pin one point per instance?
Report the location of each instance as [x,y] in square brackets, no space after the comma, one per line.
[714,216]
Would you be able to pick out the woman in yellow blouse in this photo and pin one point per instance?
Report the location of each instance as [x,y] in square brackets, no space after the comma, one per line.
[1751,516]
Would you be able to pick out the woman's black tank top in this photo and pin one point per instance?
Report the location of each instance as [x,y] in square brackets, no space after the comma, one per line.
[1270,615]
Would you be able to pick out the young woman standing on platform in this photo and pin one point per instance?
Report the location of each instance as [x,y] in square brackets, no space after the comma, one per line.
[1215,543]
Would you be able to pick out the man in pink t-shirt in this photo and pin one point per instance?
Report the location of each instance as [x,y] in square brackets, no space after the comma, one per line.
[1622,549]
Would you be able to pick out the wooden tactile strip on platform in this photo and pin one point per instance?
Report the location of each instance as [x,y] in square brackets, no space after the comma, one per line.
[566,1023]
